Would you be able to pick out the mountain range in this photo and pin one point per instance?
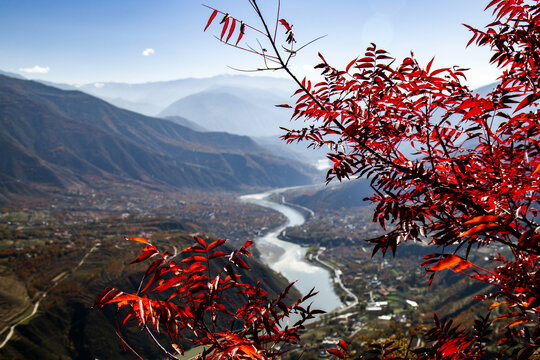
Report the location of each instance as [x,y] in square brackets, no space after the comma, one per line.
[237,104]
[232,103]
[57,138]
[151,98]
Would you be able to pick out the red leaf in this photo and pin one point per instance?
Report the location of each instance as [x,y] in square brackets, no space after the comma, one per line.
[497,304]
[153,267]
[349,65]
[210,19]
[194,248]
[106,295]
[482,219]
[462,265]
[517,322]
[200,241]
[479,228]
[343,344]
[141,312]
[194,258]
[537,169]
[337,353]
[242,31]
[366,59]
[148,252]
[473,112]
[217,254]
[231,30]
[240,263]
[123,299]
[224,27]
[285,106]
[438,71]
[152,280]
[215,244]
[529,240]
[446,262]
[527,101]
[363,65]
[139,239]
[286,24]
[428,67]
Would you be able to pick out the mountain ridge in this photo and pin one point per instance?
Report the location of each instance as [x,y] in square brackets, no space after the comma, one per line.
[73,137]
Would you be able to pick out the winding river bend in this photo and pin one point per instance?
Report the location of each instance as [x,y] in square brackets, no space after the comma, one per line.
[290,260]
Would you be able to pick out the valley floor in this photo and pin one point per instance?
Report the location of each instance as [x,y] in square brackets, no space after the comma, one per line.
[56,256]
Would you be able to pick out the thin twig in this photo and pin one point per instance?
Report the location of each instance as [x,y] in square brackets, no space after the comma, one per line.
[270,57]
[255,70]
[311,42]
[128,346]
[171,356]
[277,19]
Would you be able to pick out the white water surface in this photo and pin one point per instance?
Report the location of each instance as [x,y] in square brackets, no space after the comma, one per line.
[291,263]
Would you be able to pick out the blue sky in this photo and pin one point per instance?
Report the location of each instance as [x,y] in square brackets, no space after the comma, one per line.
[75,41]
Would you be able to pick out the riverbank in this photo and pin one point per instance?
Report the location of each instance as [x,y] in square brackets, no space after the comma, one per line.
[290,260]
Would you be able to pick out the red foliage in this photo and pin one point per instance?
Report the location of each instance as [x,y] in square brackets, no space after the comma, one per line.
[188,302]
[449,167]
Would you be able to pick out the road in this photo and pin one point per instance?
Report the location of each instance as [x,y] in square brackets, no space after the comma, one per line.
[54,282]
[337,280]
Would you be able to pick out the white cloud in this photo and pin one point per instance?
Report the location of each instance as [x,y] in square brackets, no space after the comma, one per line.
[306,70]
[148,51]
[303,68]
[36,70]
[99,85]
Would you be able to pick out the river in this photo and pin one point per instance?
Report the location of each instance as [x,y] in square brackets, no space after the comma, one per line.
[290,260]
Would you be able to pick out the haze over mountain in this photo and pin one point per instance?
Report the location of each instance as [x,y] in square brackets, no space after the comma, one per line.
[237,110]
[235,104]
[10,74]
[187,123]
[153,97]
[58,138]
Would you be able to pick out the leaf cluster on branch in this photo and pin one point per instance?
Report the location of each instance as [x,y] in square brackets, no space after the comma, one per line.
[190,302]
[449,167]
